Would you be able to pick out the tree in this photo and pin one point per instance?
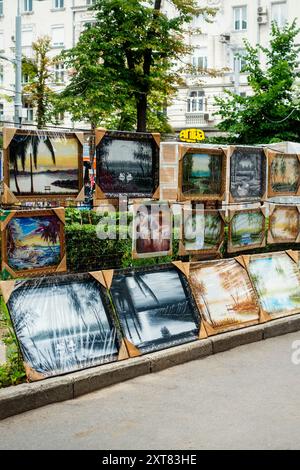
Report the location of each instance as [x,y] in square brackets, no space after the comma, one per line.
[272,112]
[39,71]
[126,58]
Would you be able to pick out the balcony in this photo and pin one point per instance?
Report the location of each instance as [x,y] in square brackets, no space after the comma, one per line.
[196,119]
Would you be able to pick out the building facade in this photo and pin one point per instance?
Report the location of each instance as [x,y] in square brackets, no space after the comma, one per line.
[219,46]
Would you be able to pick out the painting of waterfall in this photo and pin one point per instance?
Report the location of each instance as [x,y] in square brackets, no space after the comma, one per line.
[155,307]
[62,324]
[224,294]
[277,281]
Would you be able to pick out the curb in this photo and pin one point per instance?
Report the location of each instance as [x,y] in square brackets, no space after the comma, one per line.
[25,397]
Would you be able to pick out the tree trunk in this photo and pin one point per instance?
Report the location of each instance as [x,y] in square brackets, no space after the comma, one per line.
[141,108]
[31,173]
[16,179]
[92,144]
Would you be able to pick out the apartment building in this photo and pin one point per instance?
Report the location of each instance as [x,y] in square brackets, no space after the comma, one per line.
[219,46]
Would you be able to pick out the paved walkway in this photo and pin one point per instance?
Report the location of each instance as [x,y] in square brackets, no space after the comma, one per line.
[248,397]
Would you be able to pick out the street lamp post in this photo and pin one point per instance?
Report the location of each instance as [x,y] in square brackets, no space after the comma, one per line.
[18,63]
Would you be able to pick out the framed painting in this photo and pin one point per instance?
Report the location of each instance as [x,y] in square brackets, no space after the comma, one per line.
[247,174]
[283,174]
[62,323]
[202,174]
[202,232]
[42,165]
[224,295]
[247,230]
[33,242]
[276,278]
[152,230]
[284,224]
[155,307]
[127,164]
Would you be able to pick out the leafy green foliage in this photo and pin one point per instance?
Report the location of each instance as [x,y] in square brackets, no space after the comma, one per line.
[272,112]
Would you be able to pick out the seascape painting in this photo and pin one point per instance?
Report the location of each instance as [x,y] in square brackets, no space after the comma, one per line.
[127,166]
[62,324]
[201,174]
[284,224]
[277,282]
[39,164]
[224,294]
[33,242]
[153,230]
[155,308]
[284,174]
[247,173]
[247,229]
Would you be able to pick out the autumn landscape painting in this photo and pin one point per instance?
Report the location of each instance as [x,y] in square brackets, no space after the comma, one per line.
[284,174]
[284,224]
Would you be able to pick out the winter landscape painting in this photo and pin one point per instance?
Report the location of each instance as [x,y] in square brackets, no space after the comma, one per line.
[284,174]
[284,224]
[39,164]
[155,307]
[277,282]
[34,242]
[247,230]
[224,294]
[247,173]
[201,174]
[62,325]
[127,166]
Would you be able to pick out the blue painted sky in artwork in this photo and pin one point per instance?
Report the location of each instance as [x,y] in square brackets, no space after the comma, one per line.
[27,225]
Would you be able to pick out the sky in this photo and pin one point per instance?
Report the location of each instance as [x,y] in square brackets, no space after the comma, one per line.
[124,150]
[66,155]
[200,162]
[26,225]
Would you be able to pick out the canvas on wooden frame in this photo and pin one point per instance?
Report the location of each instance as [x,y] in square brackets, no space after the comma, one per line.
[202,174]
[284,224]
[152,230]
[42,165]
[155,307]
[283,174]
[224,295]
[276,279]
[127,164]
[247,174]
[246,230]
[33,242]
[62,323]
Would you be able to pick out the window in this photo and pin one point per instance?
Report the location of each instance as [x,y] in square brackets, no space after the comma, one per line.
[27,36]
[59,73]
[1,7]
[195,102]
[25,78]
[27,6]
[60,117]
[90,2]
[58,4]
[200,60]
[29,112]
[58,36]
[239,61]
[1,74]
[279,13]
[1,41]
[240,18]
[1,111]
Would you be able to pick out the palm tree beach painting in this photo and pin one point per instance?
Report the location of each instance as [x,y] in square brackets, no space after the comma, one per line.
[155,307]
[224,294]
[277,281]
[202,232]
[63,324]
[43,165]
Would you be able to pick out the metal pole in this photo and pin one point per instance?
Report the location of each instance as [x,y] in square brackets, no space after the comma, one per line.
[18,84]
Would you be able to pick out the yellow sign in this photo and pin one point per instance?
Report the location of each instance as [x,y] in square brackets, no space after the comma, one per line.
[191,135]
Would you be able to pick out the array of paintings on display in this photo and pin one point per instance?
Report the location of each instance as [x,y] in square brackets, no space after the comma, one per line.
[202,174]
[247,174]
[246,230]
[276,278]
[202,232]
[155,307]
[224,295]
[33,242]
[284,174]
[127,163]
[284,223]
[42,165]
[152,230]
[63,324]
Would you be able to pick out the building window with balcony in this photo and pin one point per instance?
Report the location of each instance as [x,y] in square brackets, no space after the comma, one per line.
[59,73]
[240,18]
[58,4]
[199,61]
[29,112]
[279,13]
[27,6]
[58,36]
[1,7]
[195,101]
